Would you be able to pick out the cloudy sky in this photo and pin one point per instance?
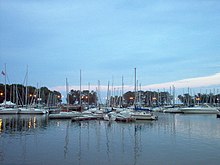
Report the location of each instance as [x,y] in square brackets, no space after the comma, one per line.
[169,42]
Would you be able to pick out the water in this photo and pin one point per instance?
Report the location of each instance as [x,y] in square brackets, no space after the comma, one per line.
[172,139]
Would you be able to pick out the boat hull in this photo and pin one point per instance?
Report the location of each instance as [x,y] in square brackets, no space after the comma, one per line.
[143,116]
[64,115]
[199,111]
[9,111]
[32,111]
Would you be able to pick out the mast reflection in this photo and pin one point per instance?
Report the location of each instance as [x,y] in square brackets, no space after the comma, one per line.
[21,123]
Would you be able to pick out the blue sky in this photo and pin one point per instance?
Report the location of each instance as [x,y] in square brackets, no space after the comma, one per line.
[169,42]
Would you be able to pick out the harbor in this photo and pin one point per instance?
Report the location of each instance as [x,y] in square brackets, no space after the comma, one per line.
[109,82]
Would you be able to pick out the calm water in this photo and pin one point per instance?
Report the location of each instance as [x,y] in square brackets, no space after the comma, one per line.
[172,139]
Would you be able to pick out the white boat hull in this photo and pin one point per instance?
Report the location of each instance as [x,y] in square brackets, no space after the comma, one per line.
[32,111]
[9,111]
[143,116]
[172,110]
[199,110]
[64,115]
[6,111]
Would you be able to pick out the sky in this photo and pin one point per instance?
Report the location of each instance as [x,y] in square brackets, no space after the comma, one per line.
[168,42]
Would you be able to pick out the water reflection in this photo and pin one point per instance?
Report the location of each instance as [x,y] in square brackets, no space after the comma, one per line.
[66,140]
[121,142]
[102,142]
[21,123]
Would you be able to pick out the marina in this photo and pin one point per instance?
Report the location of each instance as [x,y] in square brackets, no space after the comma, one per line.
[109,82]
[172,139]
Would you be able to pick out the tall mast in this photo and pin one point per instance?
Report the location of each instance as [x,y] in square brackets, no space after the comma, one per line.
[5,85]
[80,83]
[188,98]
[89,93]
[112,93]
[174,95]
[99,96]
[135,87]
[67,95]
[122,91]
[26,88]
[108,95]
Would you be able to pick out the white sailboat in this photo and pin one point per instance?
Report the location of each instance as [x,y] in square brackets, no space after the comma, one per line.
[31,109]
[65,114]
[7,107]
[139,112]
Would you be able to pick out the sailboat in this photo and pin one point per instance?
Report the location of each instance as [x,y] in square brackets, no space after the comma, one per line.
[7,107]
[137,100]
[141,113]
[65,114]
[31,109]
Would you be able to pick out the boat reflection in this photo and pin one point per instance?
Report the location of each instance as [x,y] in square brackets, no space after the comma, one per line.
[21,123]
[113,140]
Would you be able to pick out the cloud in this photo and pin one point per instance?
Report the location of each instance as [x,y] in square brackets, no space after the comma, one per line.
[197,82]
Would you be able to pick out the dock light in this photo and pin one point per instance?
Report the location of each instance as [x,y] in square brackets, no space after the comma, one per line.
[30,95]
[131,98]
[154,98]
[197,99]
[1,94]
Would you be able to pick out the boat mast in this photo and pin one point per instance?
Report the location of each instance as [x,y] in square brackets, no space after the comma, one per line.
[135,87]
[88,94]
[67,95]
[112,93]
[188,98]
[122,92]
[80,83]
[174,96]
[5,85]
[26,89]
[108,95]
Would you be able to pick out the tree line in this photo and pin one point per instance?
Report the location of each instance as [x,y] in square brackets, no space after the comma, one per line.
[85,97]
[22,95]
[199,98]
